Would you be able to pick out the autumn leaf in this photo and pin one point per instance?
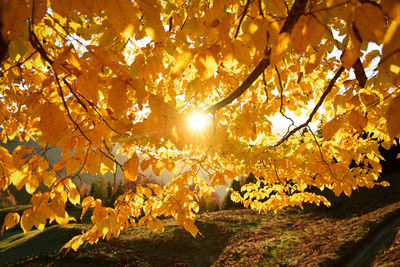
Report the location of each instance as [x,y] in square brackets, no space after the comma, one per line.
[358,121]
[117,97]
[329,129]
[280,48]
[27,220]
[10,221]
[157,167]
[392,120]
[131,168]
[101,82]
[206,64]
[392,7]
[307,31]
[369,21]
[182,61]
[14,18]
[52,123]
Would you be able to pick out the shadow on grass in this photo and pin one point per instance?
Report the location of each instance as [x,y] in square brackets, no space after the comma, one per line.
[361,201]
[174,247]
[364,251]
[35,242]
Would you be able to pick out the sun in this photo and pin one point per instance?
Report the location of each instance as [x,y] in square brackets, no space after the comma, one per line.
[197,121]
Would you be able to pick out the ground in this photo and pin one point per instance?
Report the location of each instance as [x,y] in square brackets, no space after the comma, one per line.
[293,237]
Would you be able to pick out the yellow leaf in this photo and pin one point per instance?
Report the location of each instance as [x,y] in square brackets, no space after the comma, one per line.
[52,123]
[349,56]
[307,31]
[27,220]
[93,163]
[390,51]
[181,62]
[206,64]
[40,10]
[59,166]
[18,179]
[158,225]
[31,184]
[14,15]
[329,129]
[241,52]
[157,167]
[73,194]
[392,117]
[117,98]
[347,189]
[87,84]
[384,183]
[147,192]
[58,206]
[86,203]
[370,22]
[280,48]
[144,165]
[152,10]
[20,154]
[131,168]
[358,121]
[10,221]
[392,8]
[122,14]
[218,179]
[190,227]
[276,7]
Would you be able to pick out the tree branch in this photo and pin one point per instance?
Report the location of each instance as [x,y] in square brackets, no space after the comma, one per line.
[321,100]
[242,18]
[295,13]
[264,63]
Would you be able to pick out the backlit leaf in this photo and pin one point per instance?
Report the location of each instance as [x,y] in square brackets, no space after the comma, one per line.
[307,31]
[52,123]
[329,129]
[131,168]
[392,119]
[27,220]
[369,21]
[182,61]
[10,221]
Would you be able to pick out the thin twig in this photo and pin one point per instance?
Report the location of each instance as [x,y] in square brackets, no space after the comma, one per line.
[295,13]
[281,87]
[242,18]
[260,10]
[321,100]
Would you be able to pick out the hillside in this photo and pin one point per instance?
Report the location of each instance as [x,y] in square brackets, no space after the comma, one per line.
[316,236]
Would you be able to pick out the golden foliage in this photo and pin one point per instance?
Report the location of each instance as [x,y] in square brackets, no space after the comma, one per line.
[98,79]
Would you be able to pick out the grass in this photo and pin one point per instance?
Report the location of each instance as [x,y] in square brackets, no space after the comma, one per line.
[34,242]
[317,236]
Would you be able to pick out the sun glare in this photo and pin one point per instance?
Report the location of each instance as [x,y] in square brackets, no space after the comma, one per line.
[197,121]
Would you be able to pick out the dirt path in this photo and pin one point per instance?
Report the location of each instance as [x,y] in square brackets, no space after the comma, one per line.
[383,238]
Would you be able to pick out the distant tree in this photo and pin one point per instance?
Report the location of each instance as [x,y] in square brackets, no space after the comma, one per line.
[99,190]
[209,202]
[110,196]
[228,203]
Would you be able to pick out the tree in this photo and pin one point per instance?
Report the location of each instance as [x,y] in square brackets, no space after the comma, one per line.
[227,203]
[92,77]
